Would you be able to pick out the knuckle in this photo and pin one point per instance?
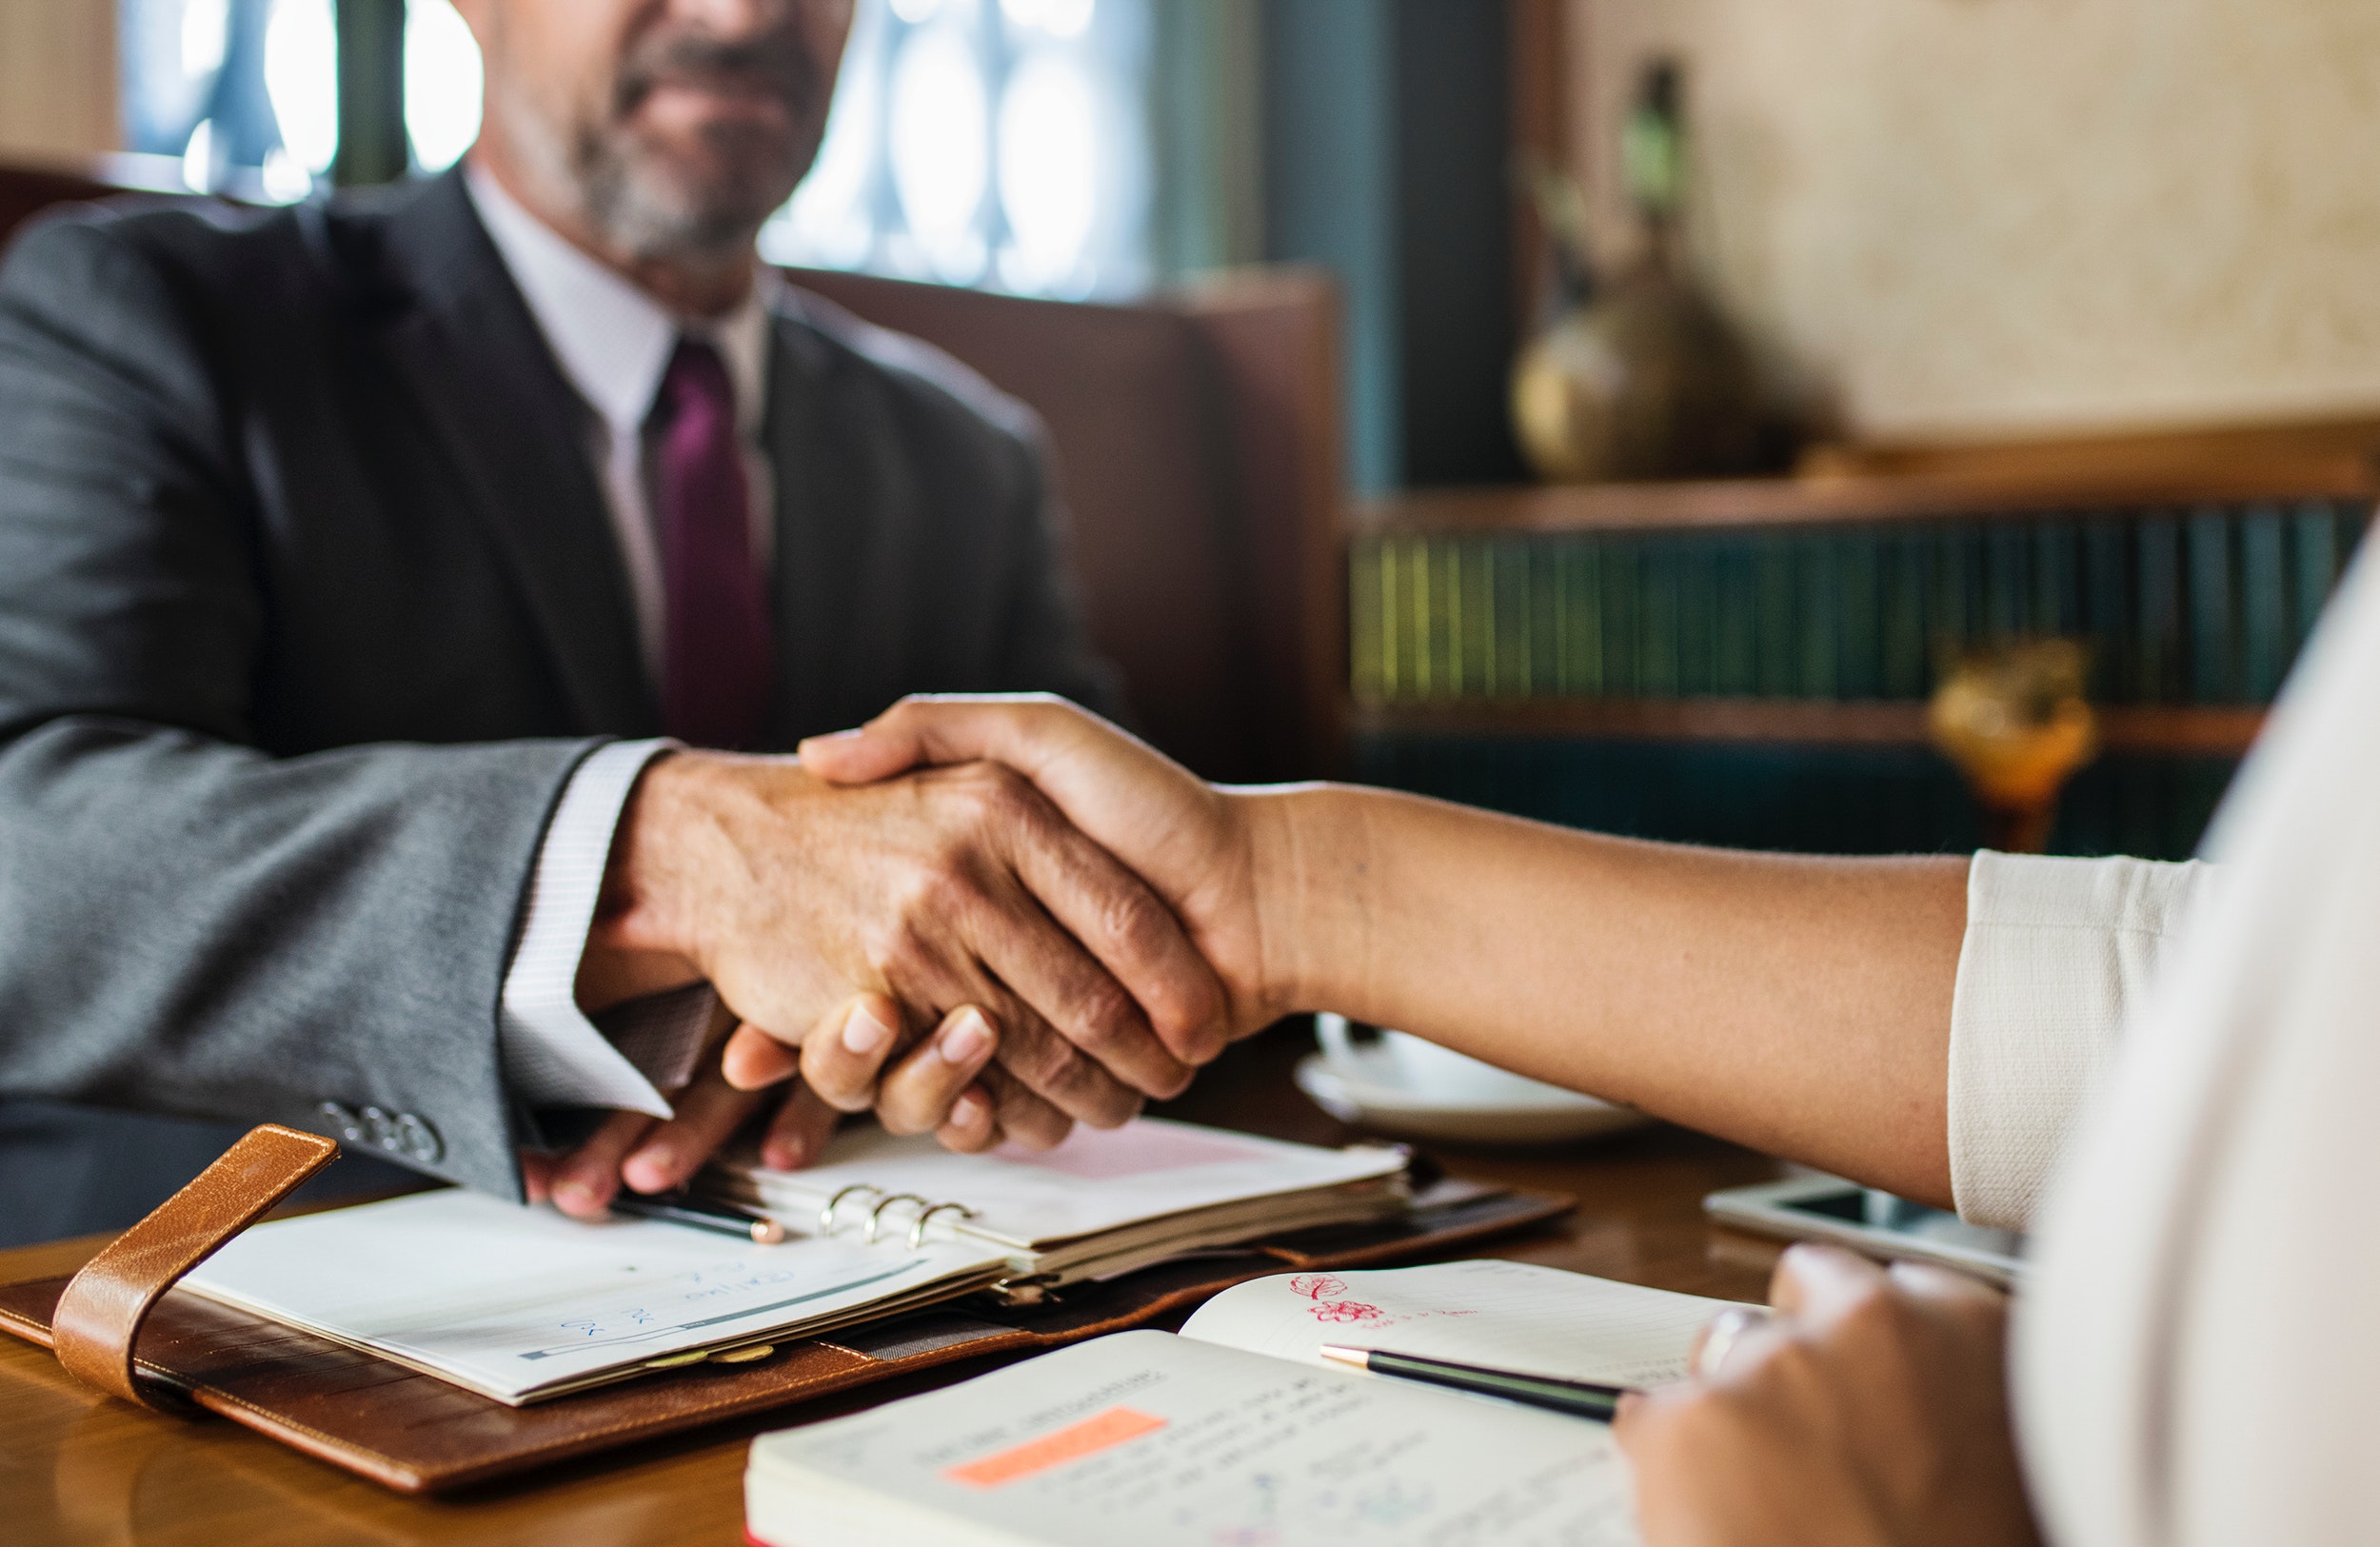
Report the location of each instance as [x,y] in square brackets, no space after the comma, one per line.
[1137,922]
[926,887]
[997,792]
[1049,1063]
[1873,1311]
[902,947]
[1103,1016]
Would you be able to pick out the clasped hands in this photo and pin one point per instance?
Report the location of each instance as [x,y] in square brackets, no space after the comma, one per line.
[990,919]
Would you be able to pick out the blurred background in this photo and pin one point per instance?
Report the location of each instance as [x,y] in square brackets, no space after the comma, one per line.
[1853,425]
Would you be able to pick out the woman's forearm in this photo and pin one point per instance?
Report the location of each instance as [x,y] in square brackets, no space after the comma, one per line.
[1798,1005]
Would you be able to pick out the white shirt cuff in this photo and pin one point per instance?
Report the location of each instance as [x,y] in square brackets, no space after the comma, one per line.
[553,1055]
[2056,952]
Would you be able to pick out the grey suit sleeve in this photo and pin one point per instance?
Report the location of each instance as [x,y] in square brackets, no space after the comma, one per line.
[193,926]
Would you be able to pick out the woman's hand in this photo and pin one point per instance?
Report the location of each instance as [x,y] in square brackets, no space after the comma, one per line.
[1871,1410]
[939,1084]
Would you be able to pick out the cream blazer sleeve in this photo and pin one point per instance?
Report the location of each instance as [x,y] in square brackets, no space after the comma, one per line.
[2056,952]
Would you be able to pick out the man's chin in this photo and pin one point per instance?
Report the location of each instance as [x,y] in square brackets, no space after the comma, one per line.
[711,191]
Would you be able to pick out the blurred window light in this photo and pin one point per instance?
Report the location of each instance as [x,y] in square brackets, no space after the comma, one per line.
[830,222]
[941,142]
[261,75]
[198,158]
[302,82]
[994,142]
[1002,143]
[443,83]
[283,178]
[1059,18]
[205,29]
[1048,170]
[168,55]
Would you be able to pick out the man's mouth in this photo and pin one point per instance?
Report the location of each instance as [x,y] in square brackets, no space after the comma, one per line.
[768,79]
[740,87]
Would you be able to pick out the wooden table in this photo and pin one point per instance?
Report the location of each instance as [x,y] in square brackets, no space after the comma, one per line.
[79,1468]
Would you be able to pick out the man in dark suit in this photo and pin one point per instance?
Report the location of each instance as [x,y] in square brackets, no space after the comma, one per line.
[354,559]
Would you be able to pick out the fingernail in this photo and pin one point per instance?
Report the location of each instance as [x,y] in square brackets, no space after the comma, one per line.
[783,1155]
[660,1159]
[864,1034]
[967,1039]
[970,1110]
[573,1196]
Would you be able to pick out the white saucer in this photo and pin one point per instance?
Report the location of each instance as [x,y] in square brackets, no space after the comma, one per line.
[1556,1117]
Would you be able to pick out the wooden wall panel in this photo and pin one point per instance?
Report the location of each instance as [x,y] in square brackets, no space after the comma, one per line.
[57,78]
[1988,219]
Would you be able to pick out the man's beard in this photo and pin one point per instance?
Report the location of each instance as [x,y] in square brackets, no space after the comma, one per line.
[643,202]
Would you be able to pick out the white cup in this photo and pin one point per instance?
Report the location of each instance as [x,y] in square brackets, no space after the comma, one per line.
[1403,1061]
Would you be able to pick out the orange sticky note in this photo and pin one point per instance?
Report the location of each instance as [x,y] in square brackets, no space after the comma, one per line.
[1095,1434]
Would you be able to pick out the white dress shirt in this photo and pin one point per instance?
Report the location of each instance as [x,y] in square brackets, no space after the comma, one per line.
[613,343]
[2196,1356]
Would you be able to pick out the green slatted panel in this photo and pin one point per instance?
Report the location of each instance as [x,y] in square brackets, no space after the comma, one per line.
[2206,605]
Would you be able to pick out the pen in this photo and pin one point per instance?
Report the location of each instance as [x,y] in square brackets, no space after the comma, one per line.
[1579,1399]
[679,1209]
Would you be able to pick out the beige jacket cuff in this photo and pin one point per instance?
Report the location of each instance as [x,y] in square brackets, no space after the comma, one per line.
[2056,952]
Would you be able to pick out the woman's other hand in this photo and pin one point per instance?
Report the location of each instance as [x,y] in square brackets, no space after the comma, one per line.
[1870,1411]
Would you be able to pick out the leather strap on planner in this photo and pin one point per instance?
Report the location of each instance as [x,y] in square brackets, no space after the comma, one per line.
[101,1312]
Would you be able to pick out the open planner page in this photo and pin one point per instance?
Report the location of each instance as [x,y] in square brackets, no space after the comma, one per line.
[1158,1441]
[1097,1180]
[517,1303]
[1512,1316]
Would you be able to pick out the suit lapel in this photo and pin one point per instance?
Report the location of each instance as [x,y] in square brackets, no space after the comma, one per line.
[514,430]
[844,629]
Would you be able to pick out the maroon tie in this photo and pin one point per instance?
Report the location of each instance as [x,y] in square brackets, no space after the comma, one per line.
[717,661]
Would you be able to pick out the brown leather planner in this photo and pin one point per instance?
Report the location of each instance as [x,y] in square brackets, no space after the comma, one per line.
[417,1434]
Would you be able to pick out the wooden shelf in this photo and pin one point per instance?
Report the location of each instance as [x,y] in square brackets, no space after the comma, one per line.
[1826,501]
[2214,731]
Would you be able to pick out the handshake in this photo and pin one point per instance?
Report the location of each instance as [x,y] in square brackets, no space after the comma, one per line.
[986,918]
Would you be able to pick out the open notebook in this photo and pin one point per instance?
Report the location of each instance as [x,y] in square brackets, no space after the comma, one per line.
[1099,1205]
[1235,1431]
[523,1305]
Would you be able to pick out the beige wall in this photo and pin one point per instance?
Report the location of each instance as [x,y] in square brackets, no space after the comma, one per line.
[57,77]
[1976,218]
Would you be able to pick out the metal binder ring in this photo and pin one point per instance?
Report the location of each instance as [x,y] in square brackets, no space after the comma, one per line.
[917,1228]
[826,1215]
[876,1215]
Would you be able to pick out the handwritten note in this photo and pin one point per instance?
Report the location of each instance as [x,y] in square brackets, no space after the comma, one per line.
[1220,1449]
[1508,1315]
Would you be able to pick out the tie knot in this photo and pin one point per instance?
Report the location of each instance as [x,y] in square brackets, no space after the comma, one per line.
[697,382]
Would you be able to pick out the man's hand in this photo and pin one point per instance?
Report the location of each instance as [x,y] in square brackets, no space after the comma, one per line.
[952,889]
[1872,1411]
[1194,844]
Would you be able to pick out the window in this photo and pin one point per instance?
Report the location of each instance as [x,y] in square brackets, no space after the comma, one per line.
[244,92]
[995,142]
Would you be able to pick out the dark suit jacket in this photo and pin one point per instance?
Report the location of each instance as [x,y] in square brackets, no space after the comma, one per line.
[309,605]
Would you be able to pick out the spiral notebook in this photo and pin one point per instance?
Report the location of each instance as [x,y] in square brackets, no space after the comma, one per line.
[523,1305]
[1100,1205]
